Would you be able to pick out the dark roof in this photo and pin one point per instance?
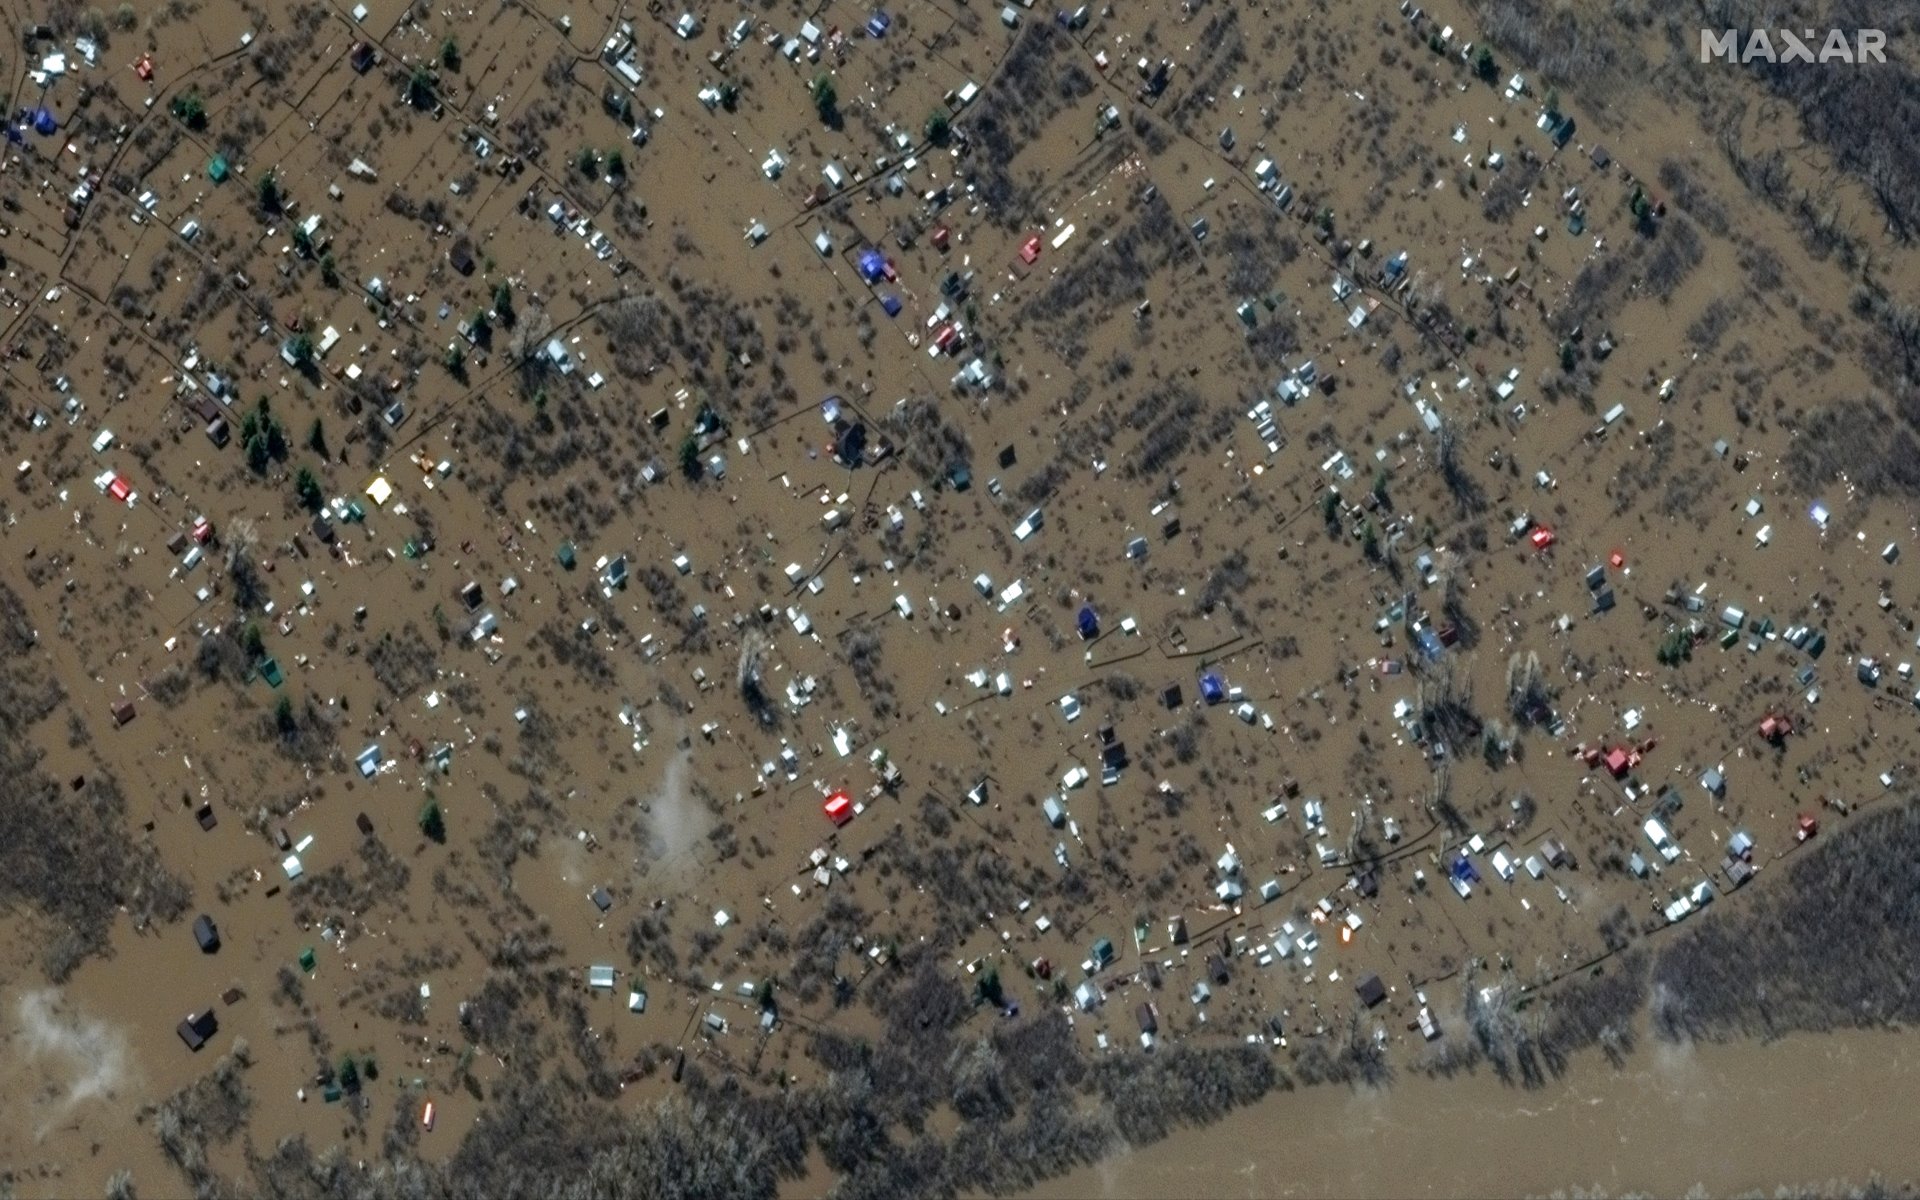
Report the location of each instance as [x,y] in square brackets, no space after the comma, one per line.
[206,933]
[602,899]
[1370,990]
[196,1029]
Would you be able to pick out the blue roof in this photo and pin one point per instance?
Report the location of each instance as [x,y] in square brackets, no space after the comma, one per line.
[872,264]
[878,24]
[1213,689]
[43,122]
[891,303]
[1429,643]
[1089,622]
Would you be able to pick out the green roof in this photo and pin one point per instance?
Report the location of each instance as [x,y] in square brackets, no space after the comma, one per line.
[217,169]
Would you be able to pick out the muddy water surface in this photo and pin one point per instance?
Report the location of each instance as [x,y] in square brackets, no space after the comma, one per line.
[1727,1119]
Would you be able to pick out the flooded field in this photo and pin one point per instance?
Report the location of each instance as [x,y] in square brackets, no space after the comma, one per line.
[1708,1120]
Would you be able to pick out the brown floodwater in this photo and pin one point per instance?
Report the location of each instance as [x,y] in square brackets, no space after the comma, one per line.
[1725,1119]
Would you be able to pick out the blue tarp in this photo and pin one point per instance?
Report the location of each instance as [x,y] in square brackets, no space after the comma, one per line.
[1213,689]
[872,265]
[878,24]
[1089,623]
[43,122]
[891,304]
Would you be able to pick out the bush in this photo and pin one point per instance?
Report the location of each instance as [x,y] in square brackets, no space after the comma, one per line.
[190,110]
[826,100]
[432,823]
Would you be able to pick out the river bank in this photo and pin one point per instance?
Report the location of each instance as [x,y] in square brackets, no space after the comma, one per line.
[1727,1119]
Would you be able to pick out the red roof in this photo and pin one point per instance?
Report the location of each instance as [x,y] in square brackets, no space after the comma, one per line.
[143,66]
[1541,537]
[1030,250]
[118,489]
[202,531]
[1618,760]
[839,808]
[940,237]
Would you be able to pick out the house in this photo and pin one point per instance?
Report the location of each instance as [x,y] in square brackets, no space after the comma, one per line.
[839,808]
[1662,841]
[1715,783]
[196,1030]
[602,898]
[1371,991]
[600,978]
[206,933]
[1056,816]
[1740,845]
[1217,970]
[1148,1018]
[1554,853]
[613,576]
[460,255]
[1089,623]
[123,711]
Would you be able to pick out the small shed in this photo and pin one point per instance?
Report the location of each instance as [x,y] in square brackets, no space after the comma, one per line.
[602,898]
[600,978]
[206,933]
[1370,990]
[123,711]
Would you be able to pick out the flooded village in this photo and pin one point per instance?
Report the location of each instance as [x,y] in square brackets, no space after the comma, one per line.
[945,599]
